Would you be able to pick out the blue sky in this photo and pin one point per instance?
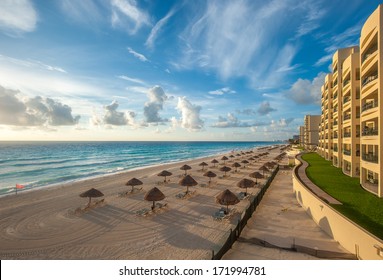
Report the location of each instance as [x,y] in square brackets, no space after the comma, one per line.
[167,70]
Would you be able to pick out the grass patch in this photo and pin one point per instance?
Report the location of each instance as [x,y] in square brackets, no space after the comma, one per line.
[359,205]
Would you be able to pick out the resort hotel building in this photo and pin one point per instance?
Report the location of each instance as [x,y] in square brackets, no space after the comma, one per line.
[310,131]
[351,124]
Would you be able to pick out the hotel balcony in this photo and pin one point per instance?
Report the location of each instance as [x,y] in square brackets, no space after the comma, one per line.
[335,149]
[369,105]
[346,99]
[370,51]
[370,158]
[347,152]
[369,79]
[346,134]
[370,132]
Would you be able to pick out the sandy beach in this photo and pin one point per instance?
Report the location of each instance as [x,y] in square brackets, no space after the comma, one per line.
[44,224]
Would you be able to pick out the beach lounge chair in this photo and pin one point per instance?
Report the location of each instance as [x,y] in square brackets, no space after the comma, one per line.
[219,215]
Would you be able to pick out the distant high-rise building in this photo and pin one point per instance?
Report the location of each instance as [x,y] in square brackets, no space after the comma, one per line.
[311,135]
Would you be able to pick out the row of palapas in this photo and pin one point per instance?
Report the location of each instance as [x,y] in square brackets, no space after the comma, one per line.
[224,198]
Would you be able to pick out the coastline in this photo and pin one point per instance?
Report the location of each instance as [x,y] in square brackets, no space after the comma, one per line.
[41,224]
[118,170]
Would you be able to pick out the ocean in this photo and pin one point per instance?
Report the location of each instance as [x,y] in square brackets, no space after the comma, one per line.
[43,164]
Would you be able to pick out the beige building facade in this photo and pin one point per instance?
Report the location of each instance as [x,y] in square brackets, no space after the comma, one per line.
[302,136]
[371,57]
[311,133]
[351,121]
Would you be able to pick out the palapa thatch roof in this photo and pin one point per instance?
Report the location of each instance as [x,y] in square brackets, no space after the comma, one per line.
[227,198]
[256,175]
[154,194]
[164,173]
[246,183]
[134,182]
[210,174]
[92,193]
[236,164]
[188,181]
[225,168]
[185,167]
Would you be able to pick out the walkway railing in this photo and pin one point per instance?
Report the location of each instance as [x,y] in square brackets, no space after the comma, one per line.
[235,233]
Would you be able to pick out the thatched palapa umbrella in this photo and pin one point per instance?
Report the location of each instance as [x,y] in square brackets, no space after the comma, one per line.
[231,156]
[227,198]
[245,183]
[91,193]
[185,167]
[210,174]
[244,163]
[165,173]
[133,182]
[187,182]
[264,169]
[236,165]
[154,195]
[256,175]
[214,161]
[203,164]
[225,169]
[269,165]
[224,158]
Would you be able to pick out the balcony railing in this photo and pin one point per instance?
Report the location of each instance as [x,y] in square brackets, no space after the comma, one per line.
[370,132]
[347,134]
[347,117]
[347,152]
[346,99]
[369,105]
[371,51]
[370,158]
[369,79]
[335,83]
[346,82]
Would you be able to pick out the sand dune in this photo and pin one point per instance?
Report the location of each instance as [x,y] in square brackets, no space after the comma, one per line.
[42,224]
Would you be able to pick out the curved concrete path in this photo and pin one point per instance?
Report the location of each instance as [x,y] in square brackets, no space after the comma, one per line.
[281,221]
[310,185]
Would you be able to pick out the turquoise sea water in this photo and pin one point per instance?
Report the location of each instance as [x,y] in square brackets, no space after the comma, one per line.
[38,164]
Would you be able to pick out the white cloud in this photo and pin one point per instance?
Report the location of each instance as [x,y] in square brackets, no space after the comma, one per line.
[84,11]
[313,13]
[306,92]
[157,29]
[238,38]
[231,121]
[157,98]
[17,16]
[18,110]
[222,91]
[346,39]
[265,108]
[133,80]
[190,115]
[126,14]
[114,117]
[138,55]
[324,59]
[285,122]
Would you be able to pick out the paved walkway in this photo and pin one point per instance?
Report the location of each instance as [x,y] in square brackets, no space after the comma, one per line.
[281,221]
[314,188]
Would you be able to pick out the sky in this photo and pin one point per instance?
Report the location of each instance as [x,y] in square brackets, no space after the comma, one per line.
[125,70]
